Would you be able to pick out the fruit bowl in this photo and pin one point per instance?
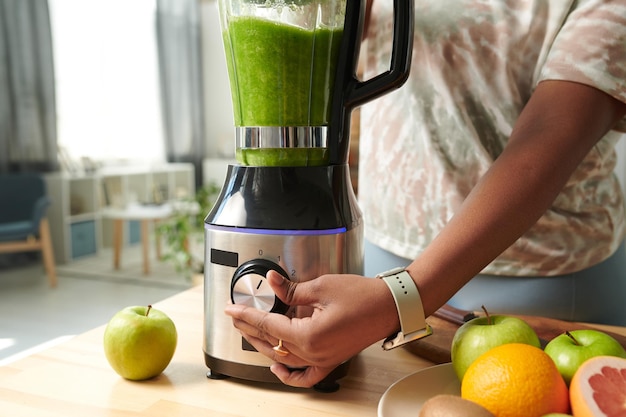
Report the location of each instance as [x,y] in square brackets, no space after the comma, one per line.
[406,396]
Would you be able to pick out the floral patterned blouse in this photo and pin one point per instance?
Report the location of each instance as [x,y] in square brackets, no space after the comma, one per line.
[475,65]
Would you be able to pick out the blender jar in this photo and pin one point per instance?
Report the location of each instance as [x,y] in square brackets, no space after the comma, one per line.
[282,57]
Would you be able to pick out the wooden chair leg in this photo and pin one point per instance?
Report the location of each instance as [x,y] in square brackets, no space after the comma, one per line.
[118,232]
[145,245]
[157,240]
[47,252]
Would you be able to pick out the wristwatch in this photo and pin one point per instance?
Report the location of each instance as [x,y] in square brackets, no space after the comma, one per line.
[413,324]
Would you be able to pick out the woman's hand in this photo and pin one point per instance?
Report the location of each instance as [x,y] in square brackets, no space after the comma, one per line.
[347,314]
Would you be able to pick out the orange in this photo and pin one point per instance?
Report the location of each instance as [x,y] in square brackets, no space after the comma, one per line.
[516,380]
[598,388]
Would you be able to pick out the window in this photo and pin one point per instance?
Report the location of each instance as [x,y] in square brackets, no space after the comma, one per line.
[106,71]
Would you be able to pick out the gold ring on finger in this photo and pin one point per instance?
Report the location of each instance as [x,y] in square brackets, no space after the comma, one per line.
[280,349]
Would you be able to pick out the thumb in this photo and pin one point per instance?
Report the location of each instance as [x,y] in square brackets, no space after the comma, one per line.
[289,292]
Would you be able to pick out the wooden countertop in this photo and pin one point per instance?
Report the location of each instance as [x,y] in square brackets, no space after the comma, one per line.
[75,379]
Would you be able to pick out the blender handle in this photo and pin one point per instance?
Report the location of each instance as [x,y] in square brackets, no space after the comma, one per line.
[400,66]
[355,92]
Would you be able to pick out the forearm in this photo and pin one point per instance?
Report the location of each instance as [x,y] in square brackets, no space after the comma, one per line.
[559,126]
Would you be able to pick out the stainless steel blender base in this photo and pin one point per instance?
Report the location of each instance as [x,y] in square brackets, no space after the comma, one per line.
[302,223]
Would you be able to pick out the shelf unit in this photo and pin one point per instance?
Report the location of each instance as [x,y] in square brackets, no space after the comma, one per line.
[77,226]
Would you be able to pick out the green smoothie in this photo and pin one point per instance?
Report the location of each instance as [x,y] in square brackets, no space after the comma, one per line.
[281,157]
[280,75]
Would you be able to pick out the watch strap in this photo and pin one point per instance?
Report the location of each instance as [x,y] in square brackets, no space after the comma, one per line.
[413,324]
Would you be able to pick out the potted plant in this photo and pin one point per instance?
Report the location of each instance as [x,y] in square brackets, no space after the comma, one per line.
[183,232]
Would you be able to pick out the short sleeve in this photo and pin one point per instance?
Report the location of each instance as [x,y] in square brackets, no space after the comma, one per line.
[590,49]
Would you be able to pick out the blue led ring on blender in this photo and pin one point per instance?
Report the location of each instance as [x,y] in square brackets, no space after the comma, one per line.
[288,205]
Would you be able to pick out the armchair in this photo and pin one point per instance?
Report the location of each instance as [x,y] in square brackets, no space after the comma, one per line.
[23,223]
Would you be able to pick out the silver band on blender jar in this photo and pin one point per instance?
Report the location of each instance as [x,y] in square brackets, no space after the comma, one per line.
[282,137]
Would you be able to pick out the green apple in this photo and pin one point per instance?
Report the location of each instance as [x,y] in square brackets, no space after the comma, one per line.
[139,342]
[570,349]
[479,335]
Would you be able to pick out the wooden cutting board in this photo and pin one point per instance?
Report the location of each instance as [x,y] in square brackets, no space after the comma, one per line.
[436,347]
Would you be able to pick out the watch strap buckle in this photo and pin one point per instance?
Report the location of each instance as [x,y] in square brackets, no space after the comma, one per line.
[400,338]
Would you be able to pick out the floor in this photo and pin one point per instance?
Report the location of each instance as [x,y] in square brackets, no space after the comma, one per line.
[89,292]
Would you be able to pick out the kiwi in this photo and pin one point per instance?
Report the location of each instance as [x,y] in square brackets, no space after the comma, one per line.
[446,405]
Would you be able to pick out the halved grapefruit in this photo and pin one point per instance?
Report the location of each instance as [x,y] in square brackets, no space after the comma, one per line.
[598,388]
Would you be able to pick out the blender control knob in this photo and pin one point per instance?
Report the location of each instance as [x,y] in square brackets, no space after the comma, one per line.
[249,286]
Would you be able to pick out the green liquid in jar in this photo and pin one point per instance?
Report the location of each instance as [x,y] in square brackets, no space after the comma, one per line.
[280,74]
[283,157]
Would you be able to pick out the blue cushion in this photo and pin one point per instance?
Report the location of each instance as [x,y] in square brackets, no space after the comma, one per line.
[17,230]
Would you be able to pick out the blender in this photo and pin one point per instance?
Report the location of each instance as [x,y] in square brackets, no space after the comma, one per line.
[288,204]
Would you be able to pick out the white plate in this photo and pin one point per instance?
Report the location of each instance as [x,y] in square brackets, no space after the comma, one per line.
[406,396]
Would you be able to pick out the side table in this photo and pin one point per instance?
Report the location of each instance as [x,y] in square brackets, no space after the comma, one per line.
[145,214]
